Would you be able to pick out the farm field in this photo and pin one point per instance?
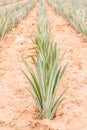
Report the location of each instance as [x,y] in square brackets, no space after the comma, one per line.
[17,108]
[7,3]
[4,2]
[75,12]
[11,14]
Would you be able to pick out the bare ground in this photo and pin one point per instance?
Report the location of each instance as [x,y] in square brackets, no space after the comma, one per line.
[17,109]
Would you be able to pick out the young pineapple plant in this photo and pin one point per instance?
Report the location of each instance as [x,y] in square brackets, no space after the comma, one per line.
[46,80]
[42,37]
[45,84]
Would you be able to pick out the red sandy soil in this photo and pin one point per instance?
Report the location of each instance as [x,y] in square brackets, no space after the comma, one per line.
[17,108]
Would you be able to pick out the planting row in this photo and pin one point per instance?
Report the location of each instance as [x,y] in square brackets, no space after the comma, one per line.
[74,11]
[10,16]
[46,80]
[4,2]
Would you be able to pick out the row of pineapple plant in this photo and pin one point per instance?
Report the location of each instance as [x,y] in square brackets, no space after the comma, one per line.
[74,11]
[5,2]
[45,81]
[10,16]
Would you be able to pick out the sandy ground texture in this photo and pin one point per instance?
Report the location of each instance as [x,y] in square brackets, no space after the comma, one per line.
[17,108]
